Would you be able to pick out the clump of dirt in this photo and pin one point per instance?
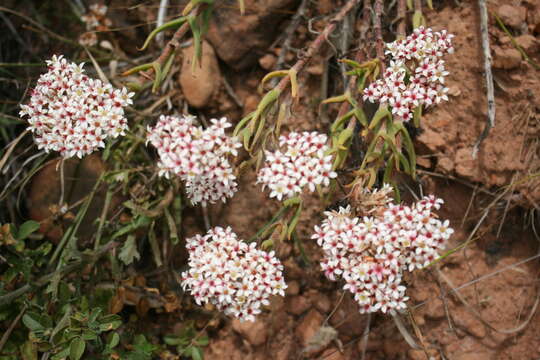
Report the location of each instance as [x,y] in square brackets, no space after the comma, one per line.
[511,152]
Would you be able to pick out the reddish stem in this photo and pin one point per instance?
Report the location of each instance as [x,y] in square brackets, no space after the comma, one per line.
[174,43]
[379,43]
[401,13]
[317,43]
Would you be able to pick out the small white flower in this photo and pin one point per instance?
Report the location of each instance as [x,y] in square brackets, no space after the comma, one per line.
[238,279]
[370,254]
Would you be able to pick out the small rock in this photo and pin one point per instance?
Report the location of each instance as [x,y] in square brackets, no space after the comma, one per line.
[333,354]
[470,324]
[293,288]
[434,308]
[268,62]
[250,103]
[423,162]
[240,39]
[297,305]
[200,82]
[506,58]
[454,91]
[292,269]
[392,348]
[255,332]
[416,354]
[347,319]
[421,355]
[80,177]
[309,325]
[321,302]
[446,164]
[528,43]
[284,350]
[474,355]
[466,166]
[432,139]
[513,16]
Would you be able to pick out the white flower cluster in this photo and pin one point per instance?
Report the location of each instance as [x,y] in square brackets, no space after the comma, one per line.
[370,254]
[199,156]
[95,19]
[236,277]
[73,114]
[303,163]
[416,73]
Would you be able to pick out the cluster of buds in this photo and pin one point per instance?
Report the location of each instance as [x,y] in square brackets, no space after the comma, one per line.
[73,114]
[372,253]
[302,163]
[198,156]
[95,20]
[416,73]
[235,277]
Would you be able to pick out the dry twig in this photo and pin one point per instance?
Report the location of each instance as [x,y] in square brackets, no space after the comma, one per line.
[317,43]
[489,76]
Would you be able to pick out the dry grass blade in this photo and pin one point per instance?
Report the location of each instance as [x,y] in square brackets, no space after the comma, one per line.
[477,315]
[404,332]
[10,148]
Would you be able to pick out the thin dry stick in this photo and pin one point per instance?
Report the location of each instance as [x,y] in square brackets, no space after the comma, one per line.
[479,317]
[62,183]
[14,323]
[489,76]
[289,32]
[484,277]
[317,43]
[404,332]
[418,5]
[365,336]
[174,43]
[344,108]
[401,13]
[162,13]
[11,147]
[379,43]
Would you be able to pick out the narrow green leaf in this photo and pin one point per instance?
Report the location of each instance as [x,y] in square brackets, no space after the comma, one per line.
[345,135]
[242,6]
[196,353]
[197,40]
[418,19]
[172,340]
[31,322]
[381,113]
[26,229]
[76,348]
[157,76]
[114,339]
[29,350]
[169,25]
[294,220]
[417,115]
[410,4]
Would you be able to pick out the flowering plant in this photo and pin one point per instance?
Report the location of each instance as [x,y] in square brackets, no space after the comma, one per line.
[197,155]
[416,73]
[304,162]
[72,113]
[371,253]
[236,277]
